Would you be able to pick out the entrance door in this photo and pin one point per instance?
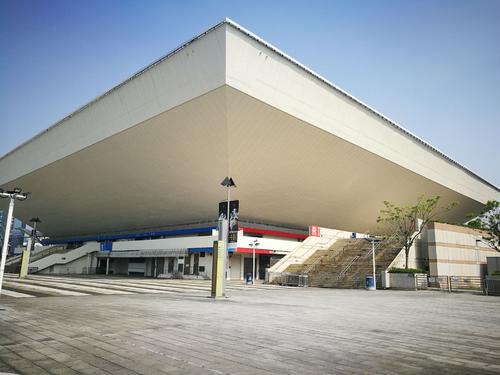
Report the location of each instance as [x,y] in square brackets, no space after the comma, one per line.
[264,262]
[247,266]
[196,263]
[187,265]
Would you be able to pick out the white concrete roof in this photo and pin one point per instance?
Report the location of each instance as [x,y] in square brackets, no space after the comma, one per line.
[227,102]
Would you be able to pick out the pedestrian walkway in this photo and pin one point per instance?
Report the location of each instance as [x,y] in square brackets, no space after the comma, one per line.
[44,286]
[261,330]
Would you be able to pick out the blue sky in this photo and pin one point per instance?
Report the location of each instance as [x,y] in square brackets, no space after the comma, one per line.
[432,66]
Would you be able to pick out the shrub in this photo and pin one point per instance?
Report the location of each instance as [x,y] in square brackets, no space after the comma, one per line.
[406,270]
[496,273]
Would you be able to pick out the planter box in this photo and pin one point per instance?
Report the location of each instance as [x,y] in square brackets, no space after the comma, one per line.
[407,281]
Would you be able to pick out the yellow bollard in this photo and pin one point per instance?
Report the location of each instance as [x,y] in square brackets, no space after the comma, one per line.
[24,264]
[218,270]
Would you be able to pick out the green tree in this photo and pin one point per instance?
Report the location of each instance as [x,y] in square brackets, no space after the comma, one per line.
[489,221]
[402,221]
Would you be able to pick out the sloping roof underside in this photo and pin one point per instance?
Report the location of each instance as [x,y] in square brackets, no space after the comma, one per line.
[151,152]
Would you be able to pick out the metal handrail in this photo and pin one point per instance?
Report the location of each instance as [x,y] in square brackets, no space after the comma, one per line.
[38,255]
[346,268]
[383,242]
[58,249]
[366,256]
[333,256]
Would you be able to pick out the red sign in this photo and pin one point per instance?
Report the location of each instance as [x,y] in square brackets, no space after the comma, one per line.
[314,231]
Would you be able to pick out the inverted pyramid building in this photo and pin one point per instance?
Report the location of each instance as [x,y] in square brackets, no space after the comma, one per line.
[152,151]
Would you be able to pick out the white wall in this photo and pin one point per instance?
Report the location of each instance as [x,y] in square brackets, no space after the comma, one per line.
[167,243]
[77,266]
[68,258]
[280,246]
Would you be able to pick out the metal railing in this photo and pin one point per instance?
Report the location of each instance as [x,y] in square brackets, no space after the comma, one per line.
[368,254]
[292,279]
[332,258]
[58,249]
[347,267]
[492,286]
[382,242]
[456,283]
[421,282]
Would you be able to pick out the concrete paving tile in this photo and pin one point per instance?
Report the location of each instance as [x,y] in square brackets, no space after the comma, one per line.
[285,331]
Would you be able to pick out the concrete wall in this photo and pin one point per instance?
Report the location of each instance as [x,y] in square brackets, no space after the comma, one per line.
[235,265]
[418,256]
[279,246]
[74,260]
[167,243]
[78,266]
[457,251]
[404,281]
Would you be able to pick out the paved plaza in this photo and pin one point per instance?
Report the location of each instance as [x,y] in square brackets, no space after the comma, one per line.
[261,330]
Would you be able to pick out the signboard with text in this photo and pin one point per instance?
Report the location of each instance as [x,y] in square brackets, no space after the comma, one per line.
[314,231]
[234,213]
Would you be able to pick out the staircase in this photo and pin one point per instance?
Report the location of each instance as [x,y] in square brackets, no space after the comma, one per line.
[306,252]
[348,267]
[13,264]
[52,255]
[63,257]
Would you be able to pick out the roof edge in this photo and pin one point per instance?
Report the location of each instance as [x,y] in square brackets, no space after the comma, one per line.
[235,25]
[360,102]
[122,83]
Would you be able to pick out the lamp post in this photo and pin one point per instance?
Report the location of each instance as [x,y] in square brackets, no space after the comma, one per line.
[254,244]
[12,195]
[228,183]
[35,221]
[373,240]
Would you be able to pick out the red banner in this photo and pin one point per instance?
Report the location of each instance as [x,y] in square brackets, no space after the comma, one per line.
[314,231]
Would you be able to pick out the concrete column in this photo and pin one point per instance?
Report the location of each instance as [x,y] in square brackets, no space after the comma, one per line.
[257,267]
[242,265]
[107,266]
[219,251]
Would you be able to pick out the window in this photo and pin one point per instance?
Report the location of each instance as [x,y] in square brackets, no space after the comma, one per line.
[202,254]
[201,268]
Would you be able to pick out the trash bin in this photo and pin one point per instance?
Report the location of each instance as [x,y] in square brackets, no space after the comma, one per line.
[249,279]
[370,284]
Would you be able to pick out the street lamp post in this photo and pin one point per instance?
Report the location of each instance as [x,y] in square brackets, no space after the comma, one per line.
[12,195]
[35,221]
[373,240]
[254,244]
[228,183]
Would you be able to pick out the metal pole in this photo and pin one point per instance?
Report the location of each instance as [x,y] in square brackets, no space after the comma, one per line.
[228,230]
[107,265]
[5,246]
[32,245]
[373,263]
[253,263]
